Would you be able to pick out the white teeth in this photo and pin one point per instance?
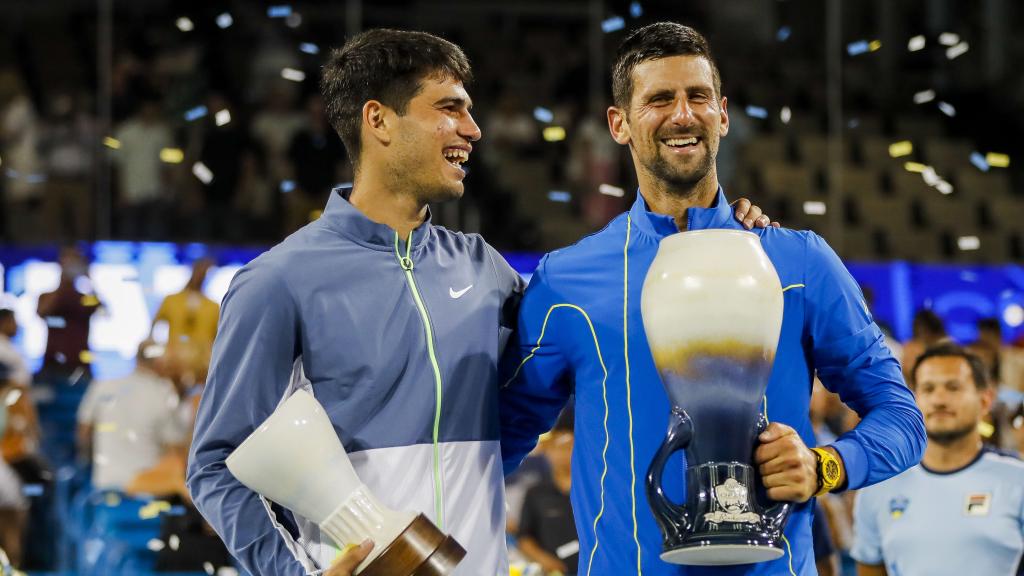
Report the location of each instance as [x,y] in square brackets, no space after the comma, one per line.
[456,155]
[681,141]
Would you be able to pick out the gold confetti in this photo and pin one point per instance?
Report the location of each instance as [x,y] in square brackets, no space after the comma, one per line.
[106,427]
[874,45]
[915,167]
[153,509]
[997,160]
[90,300]
[172,155]
[554,134]
[315,214]
[112,143]
[85,357]
[901,148]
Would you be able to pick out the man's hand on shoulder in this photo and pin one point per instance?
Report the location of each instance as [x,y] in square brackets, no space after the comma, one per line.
[751,215]
[346,565]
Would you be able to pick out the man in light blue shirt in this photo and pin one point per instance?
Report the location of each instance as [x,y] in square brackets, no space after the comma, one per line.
[961,510]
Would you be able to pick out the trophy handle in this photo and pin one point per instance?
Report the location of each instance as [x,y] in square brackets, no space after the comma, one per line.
[776,513]
[674,519]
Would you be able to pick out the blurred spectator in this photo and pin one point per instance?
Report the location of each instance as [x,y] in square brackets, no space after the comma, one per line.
[926,331]
[126,424]
[11,360]
[1009,361]
[67,312]
[274,127]
[19,444]
[143,178]
[547,530]
[222,151]
[256,199]
[21,171]
[68,146]
[13,504]
[191,317]
[318,164]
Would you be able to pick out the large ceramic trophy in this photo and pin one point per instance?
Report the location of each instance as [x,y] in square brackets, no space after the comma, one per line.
[712,310]
[296,460]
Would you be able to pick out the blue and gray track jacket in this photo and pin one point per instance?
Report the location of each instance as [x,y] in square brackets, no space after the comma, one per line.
[399,340]
[580,331]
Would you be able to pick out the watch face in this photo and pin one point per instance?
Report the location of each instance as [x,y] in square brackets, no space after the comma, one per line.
[831,470]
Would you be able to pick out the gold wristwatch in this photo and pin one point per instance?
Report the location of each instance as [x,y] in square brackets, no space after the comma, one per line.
[829,471]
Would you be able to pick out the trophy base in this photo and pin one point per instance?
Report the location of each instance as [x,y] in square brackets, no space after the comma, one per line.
[703,554]
[420,550]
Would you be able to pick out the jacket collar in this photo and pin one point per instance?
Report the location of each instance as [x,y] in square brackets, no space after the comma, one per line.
[719,215]
[345,219]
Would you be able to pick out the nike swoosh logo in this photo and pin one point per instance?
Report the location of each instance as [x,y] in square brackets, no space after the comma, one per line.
[456,295]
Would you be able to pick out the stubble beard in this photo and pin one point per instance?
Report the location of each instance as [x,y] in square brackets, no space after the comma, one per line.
[948,437]
[679,181]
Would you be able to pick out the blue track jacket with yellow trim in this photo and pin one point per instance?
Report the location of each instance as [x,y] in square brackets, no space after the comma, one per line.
[580,331]
[400,344]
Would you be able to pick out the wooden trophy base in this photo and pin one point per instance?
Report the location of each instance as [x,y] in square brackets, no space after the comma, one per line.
[420,550]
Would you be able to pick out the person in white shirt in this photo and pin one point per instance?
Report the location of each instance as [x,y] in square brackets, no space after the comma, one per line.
[127,423]
[961,510]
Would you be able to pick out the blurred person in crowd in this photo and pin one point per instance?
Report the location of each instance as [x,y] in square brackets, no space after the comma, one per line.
[927,330]
[10,357]
[961,510]
[890,340]
[547,531]
[13,504]
[67,312]
[68,146]
[1009,359]
[191,316]
[398,101]
[21,171]
[274,126]
[668,108]
[19,444]
[222,150]
[317,163]
[143,178]
[257,201]
[126,424]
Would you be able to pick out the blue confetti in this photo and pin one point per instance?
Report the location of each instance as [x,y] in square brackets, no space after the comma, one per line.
[612,24]
[225,20]
[857,48]
[559,196]
[636,10]
[978,159]
[279,11]
[309,48]
[543,114]
[757,112]
[783,34]
[32,490]
[196,113]
[287,186]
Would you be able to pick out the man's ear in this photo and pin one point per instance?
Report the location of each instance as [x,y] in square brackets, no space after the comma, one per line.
[377,121]
[618,125]
[724,126]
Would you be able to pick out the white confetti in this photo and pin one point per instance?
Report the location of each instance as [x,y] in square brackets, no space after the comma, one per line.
[957,50]
[202,172]
[966,243]
[916,43]
[184,24]
[814,208]
[948,38]
[223,117]
[924,96]
[947,109]
[225,20]
[293,74]
[609,190]
[785,115]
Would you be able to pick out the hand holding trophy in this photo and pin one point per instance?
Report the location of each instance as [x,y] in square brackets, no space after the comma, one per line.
[296,459]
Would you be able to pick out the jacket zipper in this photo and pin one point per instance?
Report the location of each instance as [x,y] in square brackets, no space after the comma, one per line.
[407,266]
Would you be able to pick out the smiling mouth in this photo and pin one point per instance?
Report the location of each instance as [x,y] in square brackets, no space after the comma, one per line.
[681,142]
[456,156]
